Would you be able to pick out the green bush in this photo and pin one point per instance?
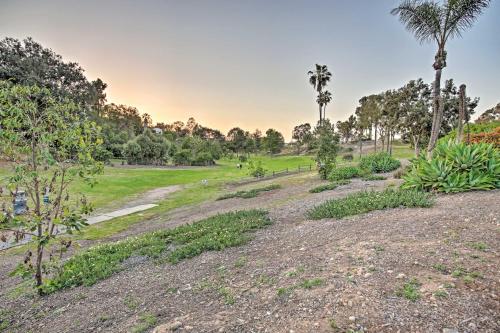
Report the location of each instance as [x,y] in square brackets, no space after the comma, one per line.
[366,201]
[256,169]
[456,168]
[380,162]
[329,187]
[211,234]
[346,172]
[485,127]
[250,193]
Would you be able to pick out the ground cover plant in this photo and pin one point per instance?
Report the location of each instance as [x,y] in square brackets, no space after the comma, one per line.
[456,168]
[380,162]
[329,187]
[249,193]
[366,201]
[373,177]
[173,245]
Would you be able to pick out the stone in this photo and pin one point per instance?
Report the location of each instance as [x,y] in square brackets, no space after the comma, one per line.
[168,327]
[450,330]
[401,276]
[352,318]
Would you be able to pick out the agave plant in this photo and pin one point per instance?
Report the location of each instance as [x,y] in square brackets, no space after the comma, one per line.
[456,168]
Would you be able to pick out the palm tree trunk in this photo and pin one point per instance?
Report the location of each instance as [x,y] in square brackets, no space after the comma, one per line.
[437,112]
[320,116]
[375,137]
[461,113]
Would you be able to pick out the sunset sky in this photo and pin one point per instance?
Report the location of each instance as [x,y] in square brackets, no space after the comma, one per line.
[244,63]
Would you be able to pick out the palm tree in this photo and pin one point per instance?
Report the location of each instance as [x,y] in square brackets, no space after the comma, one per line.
[434,22]
[319,78]
[323,99]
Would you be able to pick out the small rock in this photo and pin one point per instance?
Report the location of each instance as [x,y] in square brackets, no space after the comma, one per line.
[167,328]
[352,318]
[367,275]
[401,276]
[450,330]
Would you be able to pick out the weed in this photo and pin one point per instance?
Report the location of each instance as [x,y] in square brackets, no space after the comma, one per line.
[241,262]
[333,324]
[131,302]
[378,248]
[146,321]
[480,246]
[309,284]
[366,201]
[458,272]
[227,295]
[440,293]
[410,290]
[441,268]
[297,271]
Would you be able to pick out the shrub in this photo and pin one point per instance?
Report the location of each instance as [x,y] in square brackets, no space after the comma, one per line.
[203,158]
[380,162]
[211,234]
[347,172]
[242,158]
[399,173]
[487,137]
[250,193]
[329,187]
[182,157]
[256,169]
[456,168]
[347,157]
[366,201]
[484,127]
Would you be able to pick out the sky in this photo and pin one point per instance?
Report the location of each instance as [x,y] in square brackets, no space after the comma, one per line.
[244,63]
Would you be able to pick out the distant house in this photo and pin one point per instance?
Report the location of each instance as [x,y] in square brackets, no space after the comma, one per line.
[157,130]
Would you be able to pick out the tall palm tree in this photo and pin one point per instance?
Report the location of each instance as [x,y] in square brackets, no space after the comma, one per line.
[319,78]
[431,21]
[323,99]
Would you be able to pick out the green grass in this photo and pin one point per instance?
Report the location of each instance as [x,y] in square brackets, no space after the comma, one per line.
[410,290]
[309,284]
[249,193]
[173,245]
[329,187]
[366,201]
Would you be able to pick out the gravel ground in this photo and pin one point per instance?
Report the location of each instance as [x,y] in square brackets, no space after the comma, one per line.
[354,267]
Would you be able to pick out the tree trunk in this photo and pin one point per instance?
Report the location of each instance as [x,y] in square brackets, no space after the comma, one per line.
[360,146]
[38,273]
[375,137]
[462,105]
[416,144]
[320,116]
[437,105]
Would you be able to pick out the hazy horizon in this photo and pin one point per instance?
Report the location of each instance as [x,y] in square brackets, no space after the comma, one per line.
[235,63]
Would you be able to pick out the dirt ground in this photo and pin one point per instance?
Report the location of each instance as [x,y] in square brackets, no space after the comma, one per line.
[297,275]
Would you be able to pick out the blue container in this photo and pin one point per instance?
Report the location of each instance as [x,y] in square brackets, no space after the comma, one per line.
[20,203]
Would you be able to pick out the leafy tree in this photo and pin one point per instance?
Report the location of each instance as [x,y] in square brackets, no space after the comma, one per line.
[434,22]
[346,128]
[301,134]
[236,140]
[415,119]
[273,142]
[147,148]
[328,147]
[319,79]
[490,115]
[29,63]
[50,146]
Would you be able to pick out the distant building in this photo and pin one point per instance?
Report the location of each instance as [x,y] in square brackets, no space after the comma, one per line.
[157,130]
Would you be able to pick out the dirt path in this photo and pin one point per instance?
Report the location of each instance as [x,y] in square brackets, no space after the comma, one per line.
[358,263]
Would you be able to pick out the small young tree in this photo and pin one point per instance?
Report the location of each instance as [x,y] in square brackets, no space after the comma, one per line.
[328,147]
[49,146]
